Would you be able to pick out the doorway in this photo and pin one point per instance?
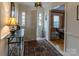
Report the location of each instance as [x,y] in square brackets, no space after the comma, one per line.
[57,22]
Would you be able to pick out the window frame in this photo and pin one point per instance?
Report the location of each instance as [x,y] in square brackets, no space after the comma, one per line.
[56,24]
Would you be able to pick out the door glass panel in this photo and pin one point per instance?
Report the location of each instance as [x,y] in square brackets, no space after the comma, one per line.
[23,18]
[40,17]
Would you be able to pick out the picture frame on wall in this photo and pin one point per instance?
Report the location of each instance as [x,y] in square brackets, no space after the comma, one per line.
[77,12]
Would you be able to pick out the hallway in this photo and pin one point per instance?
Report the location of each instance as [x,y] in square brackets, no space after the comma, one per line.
[39,48]
[22,24]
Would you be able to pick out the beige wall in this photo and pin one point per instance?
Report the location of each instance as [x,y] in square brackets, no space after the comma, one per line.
[72,43]
[30,29]
[5,10]
[3,47]
[30,21]
[0,17]
[4,15]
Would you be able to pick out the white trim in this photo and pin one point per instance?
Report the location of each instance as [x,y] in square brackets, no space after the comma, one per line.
[40,38]
[65,28]
[71,34]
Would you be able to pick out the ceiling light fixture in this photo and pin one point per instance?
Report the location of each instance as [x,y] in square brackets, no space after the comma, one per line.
[38,4]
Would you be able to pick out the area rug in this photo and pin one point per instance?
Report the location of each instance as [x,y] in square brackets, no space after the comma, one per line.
[39,48]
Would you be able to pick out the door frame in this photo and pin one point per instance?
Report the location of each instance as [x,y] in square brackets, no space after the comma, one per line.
[51,19]
[65,27]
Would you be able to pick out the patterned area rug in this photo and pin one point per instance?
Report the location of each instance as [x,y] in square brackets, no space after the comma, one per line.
[39,48]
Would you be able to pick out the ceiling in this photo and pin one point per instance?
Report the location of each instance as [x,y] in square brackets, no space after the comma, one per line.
[32,3]
[44,4]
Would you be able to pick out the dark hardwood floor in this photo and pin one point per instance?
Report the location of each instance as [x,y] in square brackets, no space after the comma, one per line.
[39,48]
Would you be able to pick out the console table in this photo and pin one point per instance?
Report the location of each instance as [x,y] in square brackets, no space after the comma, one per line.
[16,43]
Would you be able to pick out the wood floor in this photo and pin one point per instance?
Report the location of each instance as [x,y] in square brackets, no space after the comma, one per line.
[39,48]
[59,43]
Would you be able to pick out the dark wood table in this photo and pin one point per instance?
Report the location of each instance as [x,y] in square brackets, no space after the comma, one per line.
[61,33]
